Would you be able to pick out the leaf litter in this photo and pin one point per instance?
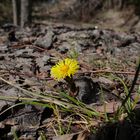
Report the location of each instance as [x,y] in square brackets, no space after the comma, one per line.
[26,57]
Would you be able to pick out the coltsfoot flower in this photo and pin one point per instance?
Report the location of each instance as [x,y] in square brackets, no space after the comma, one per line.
[64,68]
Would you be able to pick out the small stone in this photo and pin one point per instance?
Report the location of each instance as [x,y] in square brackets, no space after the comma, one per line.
[46,41]
[88,90]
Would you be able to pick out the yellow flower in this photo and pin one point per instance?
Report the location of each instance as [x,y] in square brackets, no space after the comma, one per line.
[64,68]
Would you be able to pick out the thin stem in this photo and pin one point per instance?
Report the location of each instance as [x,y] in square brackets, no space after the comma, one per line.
[133,84]
[71,84]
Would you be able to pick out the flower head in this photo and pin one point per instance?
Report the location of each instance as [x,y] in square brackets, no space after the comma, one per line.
[64,68]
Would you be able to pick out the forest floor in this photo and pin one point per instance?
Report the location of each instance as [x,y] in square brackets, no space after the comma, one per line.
[35,106]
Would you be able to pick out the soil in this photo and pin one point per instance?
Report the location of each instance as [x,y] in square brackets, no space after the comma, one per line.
[26,57]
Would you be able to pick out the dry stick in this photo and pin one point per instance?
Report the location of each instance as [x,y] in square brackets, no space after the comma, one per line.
[133,84]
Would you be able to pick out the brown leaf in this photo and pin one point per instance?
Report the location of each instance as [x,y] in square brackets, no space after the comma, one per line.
[109,107]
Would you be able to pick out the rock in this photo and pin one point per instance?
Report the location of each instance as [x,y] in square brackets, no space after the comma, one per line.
[46,41]
[88,90]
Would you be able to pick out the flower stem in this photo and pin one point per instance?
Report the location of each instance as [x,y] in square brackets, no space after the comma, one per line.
[72,86]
